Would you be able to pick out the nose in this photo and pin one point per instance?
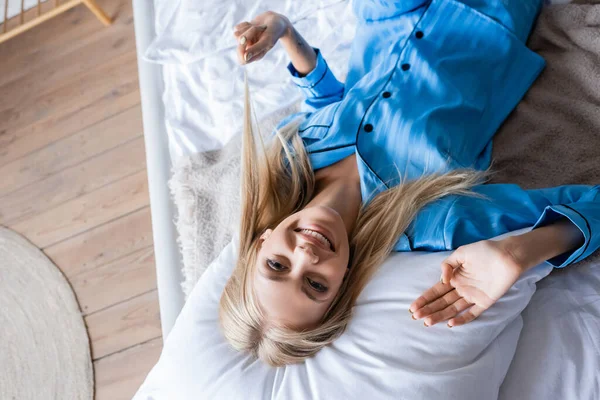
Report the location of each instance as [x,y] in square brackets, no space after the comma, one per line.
[311,255]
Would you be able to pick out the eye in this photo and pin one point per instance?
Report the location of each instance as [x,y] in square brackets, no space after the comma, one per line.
[274,265]
[317,286]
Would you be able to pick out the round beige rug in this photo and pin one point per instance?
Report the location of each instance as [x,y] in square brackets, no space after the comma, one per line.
[44,346]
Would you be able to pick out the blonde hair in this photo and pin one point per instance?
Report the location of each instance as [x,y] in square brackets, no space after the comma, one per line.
[280,183]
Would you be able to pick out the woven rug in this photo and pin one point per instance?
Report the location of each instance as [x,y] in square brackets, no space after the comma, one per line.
[44,346]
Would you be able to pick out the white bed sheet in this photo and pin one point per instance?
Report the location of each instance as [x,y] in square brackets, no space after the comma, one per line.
[558,354]
[204,99]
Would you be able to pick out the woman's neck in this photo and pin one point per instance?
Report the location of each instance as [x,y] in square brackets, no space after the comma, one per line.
[338,187]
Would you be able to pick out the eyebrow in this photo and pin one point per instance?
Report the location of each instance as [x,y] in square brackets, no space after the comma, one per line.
[285,278]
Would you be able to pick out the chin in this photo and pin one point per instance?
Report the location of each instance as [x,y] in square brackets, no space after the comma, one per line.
[323,215]
[329,211]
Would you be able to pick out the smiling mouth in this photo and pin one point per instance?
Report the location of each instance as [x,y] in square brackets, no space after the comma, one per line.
[318,236]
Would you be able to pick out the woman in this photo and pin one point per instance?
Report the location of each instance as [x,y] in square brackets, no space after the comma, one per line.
[392,160]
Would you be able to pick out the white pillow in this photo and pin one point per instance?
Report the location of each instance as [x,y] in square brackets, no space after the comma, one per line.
[189,30]
[384,354]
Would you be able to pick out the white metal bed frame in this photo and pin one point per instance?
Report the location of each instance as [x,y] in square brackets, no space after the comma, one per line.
[158,162]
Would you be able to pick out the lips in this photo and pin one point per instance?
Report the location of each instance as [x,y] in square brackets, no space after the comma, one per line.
[317,236]
[315,241]
[323,232]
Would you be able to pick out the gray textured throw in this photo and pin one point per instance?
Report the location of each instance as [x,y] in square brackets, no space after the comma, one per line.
[206,191]
[551,138]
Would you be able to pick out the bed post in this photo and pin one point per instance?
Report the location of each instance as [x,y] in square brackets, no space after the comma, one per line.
[169,275]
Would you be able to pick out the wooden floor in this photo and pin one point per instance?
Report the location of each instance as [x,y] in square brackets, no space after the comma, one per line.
[73,179]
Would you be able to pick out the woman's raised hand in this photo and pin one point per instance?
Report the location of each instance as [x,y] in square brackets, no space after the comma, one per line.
[474,277]
[257,37]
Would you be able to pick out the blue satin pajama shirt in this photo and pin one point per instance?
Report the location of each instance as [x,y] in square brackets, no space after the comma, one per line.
[429,84]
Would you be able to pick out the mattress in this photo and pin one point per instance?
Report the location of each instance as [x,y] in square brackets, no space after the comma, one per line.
[558,350]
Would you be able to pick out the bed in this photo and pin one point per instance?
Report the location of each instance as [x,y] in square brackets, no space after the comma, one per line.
[559,322]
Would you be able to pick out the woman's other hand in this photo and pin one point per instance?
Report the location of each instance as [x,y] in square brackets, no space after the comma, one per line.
[257,37]
[474,277]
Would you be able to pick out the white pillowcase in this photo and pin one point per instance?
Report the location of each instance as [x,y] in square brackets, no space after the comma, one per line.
[383,354]
[190,30]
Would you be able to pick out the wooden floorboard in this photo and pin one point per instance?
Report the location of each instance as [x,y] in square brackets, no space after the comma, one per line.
[72,163]
[134,321]
[71,150]
[127,277]
[21,140]
[119,376]
[73,93]
[86,212]
[81,179]
[111,80]
[104,243]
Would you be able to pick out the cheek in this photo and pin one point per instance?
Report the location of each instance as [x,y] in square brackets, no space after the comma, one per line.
[291,221]
[338,271]
[275,240]
[346,255]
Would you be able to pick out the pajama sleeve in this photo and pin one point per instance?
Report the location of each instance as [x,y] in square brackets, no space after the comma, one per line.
[320,87]
[458,220]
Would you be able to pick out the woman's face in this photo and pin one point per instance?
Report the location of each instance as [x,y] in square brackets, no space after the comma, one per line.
[300,266]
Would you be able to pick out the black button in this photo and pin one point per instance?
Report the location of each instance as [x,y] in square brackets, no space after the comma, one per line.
[368,128]
[386,95]
[419,34]
[405,67]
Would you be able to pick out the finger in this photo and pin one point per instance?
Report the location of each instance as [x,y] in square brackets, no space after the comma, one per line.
[244,56]
[255,57]
[447,272]
[453,261]
[431,294]
[248,57]
[241,53]
[260,48]
[449,312]
[241,28]
[251,35]
[467,316]
[437,305]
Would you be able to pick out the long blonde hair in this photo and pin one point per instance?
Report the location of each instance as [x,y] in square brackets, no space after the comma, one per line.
[280,183]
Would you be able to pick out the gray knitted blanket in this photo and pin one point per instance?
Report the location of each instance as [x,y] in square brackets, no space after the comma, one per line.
[206,191]
[551,138]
